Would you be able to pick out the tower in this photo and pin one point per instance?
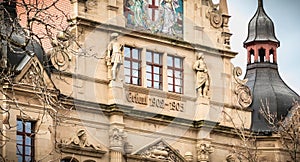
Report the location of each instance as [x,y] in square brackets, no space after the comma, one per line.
[268,88]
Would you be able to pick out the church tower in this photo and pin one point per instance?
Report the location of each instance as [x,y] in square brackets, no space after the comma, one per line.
[268,89]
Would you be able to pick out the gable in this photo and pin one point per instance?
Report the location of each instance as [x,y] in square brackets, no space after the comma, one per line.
[159,150]
[33,73]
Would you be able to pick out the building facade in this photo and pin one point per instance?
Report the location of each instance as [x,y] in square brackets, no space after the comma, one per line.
[152,81]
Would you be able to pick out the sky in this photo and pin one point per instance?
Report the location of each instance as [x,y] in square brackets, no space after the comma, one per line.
[286,17]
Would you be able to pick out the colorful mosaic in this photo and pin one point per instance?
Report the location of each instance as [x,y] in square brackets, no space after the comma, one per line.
[155,16]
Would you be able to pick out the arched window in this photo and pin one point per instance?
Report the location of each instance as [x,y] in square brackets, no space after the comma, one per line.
[271,52]
[262,55]
[251,55]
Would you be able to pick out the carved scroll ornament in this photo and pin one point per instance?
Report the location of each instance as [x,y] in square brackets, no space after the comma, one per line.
[243,94]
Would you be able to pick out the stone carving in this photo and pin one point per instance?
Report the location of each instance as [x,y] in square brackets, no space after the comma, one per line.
[160,150]
[59,54]
[243,95]
[232,158]
[114,56]
[117,139]
[203,151]
[33,76]
[90,4]
[215,16]
[81,140]
[202,85]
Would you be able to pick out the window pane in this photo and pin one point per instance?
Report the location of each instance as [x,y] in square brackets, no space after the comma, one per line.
[170,88]
[170,61]
[135,81]
[127,79]
[19,149]
[135,65]
[170,73]
[135,73]
[126,64]
[178,74]
[156,77]
[148,69]
[177,62]
[126,71]
[28,127]
[178,89]
[170,80]
[157,70]
[19,139]
[149,57]
[149,76]
[19,158]
[135,54]
[127,52]
[27,150]
[28,159]
[149,83]
[27,140]
[156,58]
[156,85]
[178,82]
[19,126]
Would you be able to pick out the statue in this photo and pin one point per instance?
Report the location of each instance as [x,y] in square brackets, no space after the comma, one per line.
[114,56]
[202,76]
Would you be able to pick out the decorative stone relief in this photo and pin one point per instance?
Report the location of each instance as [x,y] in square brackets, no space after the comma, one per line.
[80,139]
[160,150]
[203,81]
[114,56]
[90,4]
[215,16]
[243,97]
[33,76]
[203,151]
[117,139]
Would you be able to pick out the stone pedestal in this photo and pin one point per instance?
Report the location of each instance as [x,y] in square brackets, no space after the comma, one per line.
[202,109]
[115,92]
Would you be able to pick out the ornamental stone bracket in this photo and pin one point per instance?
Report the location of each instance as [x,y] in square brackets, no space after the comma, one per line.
[242,94]
[118,141]
[79,144]
[204,149]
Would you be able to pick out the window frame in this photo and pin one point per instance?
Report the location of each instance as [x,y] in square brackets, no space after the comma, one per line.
[23,133]
[174,69]
[152,64]
[132,60]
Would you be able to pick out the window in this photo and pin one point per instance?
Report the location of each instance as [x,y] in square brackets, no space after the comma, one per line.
[175,74]
[154,70]
[132,66]
[25,140]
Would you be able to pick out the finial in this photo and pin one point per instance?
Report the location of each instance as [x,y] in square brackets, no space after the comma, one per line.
[260,3]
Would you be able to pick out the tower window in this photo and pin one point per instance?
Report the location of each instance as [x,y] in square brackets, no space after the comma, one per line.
[271,55]
[251,56]
[262,55]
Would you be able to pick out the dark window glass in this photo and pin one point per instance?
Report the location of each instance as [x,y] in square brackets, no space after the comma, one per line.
[175,74]
[132,65]
[154,69]
[25,140]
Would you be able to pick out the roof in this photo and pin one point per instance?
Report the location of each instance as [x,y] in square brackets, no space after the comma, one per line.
[261,27]
[268,89]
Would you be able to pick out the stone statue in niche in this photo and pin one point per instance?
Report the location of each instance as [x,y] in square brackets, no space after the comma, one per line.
[114,57]
[202,85]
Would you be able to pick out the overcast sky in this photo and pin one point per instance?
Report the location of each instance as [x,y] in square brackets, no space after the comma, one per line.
[286,17]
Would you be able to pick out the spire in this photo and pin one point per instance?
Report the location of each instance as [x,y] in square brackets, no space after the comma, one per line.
[223,7]
[260,3]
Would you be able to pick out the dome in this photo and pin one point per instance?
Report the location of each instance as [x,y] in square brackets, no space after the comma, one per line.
[261,27]
[270,90]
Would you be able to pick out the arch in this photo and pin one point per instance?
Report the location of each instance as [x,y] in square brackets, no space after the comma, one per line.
[251,54]
[271,52]
[262,55]
[69,159]
[89,160]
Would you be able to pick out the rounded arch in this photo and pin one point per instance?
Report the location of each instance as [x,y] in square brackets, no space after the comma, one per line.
[261,54]
[251,55]
[271,52]
[89,161]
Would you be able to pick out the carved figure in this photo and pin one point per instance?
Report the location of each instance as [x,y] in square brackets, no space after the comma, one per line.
[81,140]
[114,56]
[117,139]
[202,85]
[203,151]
